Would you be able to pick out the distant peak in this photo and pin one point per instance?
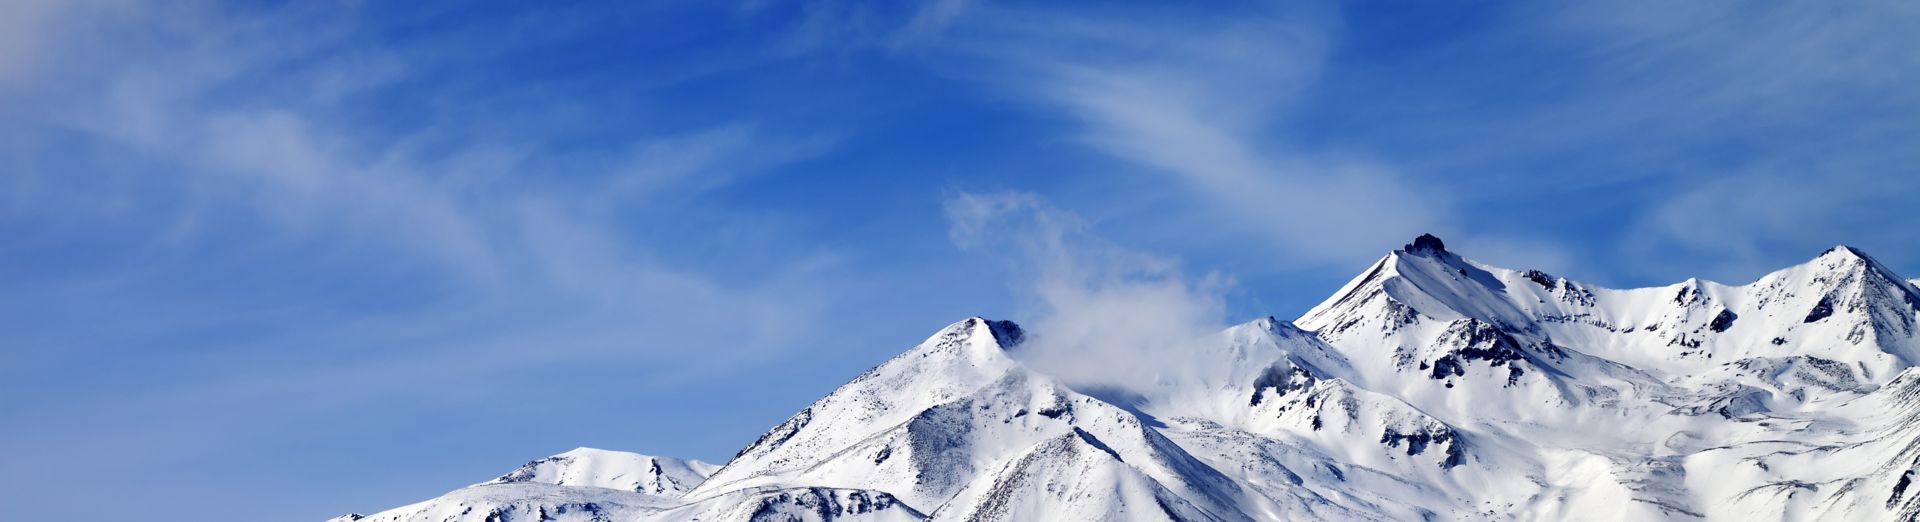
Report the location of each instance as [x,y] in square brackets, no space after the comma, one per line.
[586,452]
[1007,334]
[1425,244]
[1848,258]
[1844,251]
[1850,262]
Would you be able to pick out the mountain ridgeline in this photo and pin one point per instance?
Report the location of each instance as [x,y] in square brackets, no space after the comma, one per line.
[1431,387]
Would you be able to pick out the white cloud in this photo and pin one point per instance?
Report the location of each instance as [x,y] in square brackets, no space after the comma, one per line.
[1777,129]
[483,210]
[21,23]
[1106,315]
[1193,100]
[1732,106]
[930,21]
[527,262]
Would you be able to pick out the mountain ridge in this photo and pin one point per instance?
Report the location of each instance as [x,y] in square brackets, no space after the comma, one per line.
[1430,386]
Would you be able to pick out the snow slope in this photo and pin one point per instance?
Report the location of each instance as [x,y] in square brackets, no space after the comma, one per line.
[1430,387]
[593,485]
[614,470]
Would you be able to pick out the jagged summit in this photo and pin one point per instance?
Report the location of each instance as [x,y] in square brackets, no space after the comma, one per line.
[1844,250]
[1425,244]
[1429,387]
[1005,333]
[1848,259]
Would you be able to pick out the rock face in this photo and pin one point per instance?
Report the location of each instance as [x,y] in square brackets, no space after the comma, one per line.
[1429,387]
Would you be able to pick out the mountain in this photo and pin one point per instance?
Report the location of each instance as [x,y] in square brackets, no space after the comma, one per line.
[1430,387]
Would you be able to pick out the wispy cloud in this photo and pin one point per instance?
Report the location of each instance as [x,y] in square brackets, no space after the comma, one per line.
[291,261]
[21,26]
[1196,100]
[1105,315]
[1660,141]
[1712,115]
[490,210]
[1784,127]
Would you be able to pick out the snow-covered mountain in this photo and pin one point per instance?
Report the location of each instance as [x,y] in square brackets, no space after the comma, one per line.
[1429,387]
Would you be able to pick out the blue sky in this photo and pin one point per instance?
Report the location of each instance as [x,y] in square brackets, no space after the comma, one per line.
[289,262]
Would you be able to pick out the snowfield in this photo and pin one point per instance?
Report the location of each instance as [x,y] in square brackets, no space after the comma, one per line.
[1431,387]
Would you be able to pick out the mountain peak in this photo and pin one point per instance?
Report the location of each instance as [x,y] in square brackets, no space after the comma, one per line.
[1846,259]
[1425,244]
[1005,333]
[1844,250]
[992,335]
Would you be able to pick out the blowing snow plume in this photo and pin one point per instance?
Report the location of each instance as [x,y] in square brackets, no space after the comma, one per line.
[1106,315]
